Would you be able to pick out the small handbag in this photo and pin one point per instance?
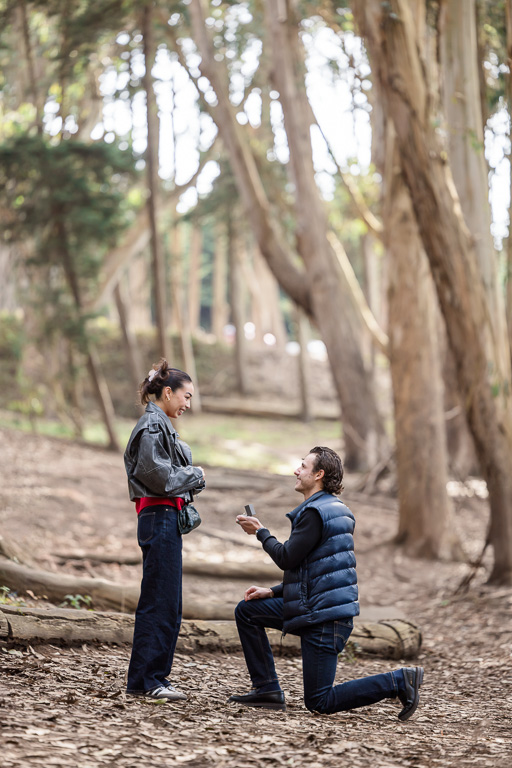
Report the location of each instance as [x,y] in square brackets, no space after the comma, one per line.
[188,519]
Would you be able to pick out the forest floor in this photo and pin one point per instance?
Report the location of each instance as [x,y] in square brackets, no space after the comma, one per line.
[67,706]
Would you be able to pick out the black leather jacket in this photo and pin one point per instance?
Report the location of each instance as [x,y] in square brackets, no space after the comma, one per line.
[157,462]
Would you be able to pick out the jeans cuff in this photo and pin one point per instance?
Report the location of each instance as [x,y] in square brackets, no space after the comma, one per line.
[395,682]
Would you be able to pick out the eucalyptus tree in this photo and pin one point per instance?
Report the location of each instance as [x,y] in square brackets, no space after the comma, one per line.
[313,280]
[390,34]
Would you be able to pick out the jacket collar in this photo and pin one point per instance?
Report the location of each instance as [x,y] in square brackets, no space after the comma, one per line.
[153,410]
[306,503]
[156,414]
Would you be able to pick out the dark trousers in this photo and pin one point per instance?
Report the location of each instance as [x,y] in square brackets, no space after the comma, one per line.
[320,644]
[158,615]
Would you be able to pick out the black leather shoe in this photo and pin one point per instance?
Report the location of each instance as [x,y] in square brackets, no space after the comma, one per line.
[410,698]
[269,700]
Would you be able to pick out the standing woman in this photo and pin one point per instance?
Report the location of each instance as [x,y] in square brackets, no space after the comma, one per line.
[161,480]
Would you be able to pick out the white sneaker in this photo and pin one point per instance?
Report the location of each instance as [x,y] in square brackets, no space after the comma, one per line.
[167,692]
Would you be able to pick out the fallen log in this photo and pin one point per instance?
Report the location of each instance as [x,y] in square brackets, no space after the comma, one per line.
[380,635]
[103,593]
[56,586]
[119,558]
[281,410]
[225,570]
[392,638]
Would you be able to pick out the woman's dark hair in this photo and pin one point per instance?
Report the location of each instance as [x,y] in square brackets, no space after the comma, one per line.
[163,376]
[330,462]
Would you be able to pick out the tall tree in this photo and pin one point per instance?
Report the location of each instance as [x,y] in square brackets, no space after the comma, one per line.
[318,290]
[332,310]
[425,514]
[508,8]
[152,164]
[63,199]
[426,526]
[389,31]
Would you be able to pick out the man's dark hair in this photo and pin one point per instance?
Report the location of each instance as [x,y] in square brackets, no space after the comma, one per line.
[330,462]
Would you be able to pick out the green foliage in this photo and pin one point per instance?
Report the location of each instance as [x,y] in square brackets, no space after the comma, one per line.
[9,598]
[79,27]
[77,601]
[70,184]
[68,199]
[12,342]
[12,336]
[492,39]
[4,592]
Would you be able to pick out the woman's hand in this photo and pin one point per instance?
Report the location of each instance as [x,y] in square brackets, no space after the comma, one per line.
[257,593]
[249,524]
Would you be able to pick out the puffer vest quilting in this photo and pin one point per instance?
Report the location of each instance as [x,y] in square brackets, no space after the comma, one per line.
[324,586]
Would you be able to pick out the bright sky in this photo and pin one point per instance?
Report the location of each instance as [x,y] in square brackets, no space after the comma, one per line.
[185,131]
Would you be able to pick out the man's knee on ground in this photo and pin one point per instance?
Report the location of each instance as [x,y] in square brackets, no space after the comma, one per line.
[317,704]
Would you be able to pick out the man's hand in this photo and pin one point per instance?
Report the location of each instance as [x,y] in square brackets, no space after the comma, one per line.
[249,524]
[257,593]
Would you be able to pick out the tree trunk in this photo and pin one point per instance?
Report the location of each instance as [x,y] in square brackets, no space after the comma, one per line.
[464,127]
[194,279]
[266,297]
[508,8]
[75,398]
[129,341]
[103,396]
[268,236]
[182,316]
[390,35]
[99,382]
[363,429]
[237,301]
[426,526]
[29,58]
[464,124]
[303,364]
[220,310]
[157,256]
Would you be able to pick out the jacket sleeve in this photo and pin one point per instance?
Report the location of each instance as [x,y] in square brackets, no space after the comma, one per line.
[155,469]
[304,538]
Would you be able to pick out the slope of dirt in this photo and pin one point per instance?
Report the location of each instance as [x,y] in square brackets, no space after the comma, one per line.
[67,706]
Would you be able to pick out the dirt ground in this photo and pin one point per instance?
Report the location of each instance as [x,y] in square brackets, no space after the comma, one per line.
[67,706]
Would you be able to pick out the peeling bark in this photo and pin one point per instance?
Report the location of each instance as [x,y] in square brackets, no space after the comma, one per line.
[389,31]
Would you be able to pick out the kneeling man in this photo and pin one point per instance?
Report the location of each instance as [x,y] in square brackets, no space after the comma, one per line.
[317,600]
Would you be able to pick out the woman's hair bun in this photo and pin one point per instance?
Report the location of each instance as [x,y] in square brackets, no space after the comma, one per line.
[161,375]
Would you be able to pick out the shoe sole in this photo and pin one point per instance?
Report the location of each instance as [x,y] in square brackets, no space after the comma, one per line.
[417,683]
[161,698]
[263,705]
[156,698]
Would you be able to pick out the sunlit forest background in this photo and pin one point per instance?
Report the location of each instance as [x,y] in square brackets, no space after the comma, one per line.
[303,204]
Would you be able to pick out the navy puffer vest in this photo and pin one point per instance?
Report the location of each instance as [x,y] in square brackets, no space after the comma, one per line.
[324,586]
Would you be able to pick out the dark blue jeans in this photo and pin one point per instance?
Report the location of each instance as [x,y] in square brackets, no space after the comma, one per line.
[158,615]
[321,644]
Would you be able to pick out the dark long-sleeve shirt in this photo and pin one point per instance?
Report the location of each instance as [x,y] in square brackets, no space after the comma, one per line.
[303,539]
